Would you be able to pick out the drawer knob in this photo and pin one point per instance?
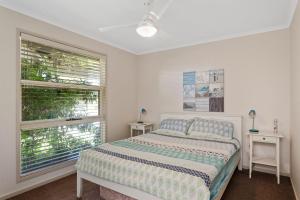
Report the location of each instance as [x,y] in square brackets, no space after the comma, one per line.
[264,138]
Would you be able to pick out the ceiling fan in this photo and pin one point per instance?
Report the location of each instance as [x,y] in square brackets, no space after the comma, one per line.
[148,26]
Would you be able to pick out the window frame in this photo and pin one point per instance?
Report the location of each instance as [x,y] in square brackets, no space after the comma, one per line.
[25,125]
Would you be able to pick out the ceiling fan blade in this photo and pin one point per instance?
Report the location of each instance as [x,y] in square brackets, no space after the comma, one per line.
[164,9]
[163,33]
[109,28]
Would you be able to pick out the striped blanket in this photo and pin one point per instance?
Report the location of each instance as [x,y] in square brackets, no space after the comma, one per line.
[165,166]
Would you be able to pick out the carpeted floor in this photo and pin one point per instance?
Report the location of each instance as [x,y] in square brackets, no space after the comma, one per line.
[261,187]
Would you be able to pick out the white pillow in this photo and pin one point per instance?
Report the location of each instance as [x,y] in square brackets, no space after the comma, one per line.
[211,128]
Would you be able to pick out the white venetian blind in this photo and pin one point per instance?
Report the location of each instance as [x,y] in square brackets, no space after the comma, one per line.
[62,102]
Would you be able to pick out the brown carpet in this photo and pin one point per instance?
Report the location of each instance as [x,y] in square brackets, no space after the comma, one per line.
[260,187]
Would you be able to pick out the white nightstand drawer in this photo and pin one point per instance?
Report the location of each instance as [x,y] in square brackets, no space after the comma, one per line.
[139,127]
[265,139]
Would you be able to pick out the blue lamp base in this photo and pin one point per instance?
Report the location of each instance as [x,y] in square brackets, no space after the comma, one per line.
[253,130]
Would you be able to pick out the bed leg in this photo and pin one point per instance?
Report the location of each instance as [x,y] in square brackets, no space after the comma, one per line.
[240,166]
[79,186]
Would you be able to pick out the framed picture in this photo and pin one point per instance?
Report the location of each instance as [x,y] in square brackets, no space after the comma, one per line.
[203,91]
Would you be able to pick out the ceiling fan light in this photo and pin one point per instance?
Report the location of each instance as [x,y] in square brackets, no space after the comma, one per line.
[146,30]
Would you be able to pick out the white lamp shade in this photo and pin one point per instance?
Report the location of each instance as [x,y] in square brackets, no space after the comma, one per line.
[146,30]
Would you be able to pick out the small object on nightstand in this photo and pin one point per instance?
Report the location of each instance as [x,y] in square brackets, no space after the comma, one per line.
[275,128]
[265,138]
[252,114]
[143,127]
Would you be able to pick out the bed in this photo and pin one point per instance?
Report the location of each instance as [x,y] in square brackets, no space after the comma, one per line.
[160,165]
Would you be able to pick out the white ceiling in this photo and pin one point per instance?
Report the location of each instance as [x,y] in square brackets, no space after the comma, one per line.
[186,22]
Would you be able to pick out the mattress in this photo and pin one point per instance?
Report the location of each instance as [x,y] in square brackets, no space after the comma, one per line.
[163,165]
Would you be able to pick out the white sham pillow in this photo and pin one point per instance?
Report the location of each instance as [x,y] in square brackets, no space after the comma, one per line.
[211,128]
[178,125]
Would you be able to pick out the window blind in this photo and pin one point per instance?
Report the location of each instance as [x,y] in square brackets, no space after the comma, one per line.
[45,63]
[49,146]
[62,105]
[39,103]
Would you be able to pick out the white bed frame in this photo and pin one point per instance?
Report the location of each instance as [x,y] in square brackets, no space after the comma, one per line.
[140,195]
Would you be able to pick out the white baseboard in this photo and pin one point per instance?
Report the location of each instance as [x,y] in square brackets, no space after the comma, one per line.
[39,184]
[266,170]
[295,192]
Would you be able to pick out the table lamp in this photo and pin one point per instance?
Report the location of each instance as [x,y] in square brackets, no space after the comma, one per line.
[252,115]
[142,111]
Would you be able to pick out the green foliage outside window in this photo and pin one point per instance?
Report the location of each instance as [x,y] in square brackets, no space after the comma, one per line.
[47,146]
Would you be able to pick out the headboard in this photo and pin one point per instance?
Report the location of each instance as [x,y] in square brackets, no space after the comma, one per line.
[235,119]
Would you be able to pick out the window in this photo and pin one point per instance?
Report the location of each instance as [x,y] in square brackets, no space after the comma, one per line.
[62,104]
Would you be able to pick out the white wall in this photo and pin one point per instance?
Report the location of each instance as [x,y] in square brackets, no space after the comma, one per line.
[295,101]
[256,74]
[121,91]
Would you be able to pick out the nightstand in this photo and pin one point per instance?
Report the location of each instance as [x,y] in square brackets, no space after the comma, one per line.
[143,127]
[265,138]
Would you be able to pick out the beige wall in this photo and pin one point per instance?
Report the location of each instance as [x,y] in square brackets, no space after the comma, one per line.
[256,75]
[121,90]
[295,101]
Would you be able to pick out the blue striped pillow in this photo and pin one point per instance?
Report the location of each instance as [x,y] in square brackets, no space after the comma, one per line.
[178,125]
